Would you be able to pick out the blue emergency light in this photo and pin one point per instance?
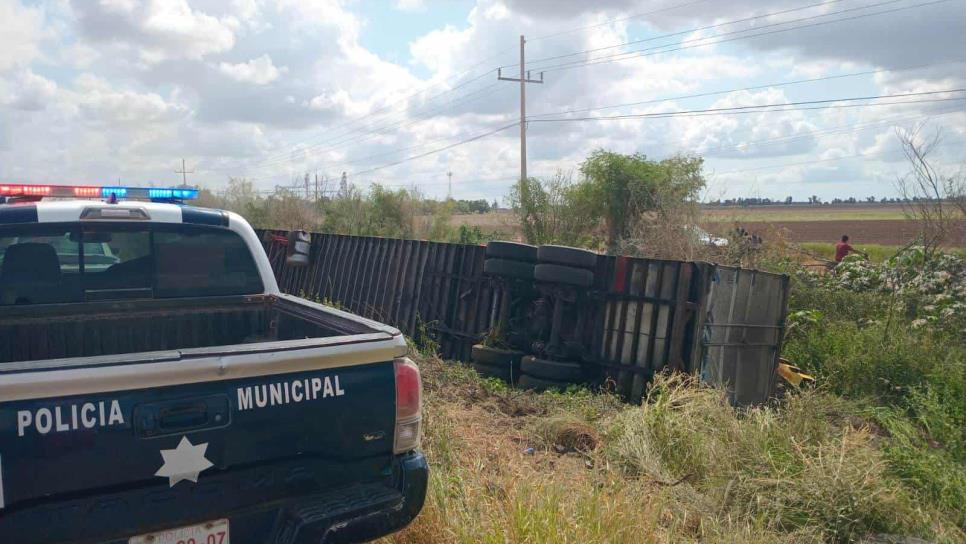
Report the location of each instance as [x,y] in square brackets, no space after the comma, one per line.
[111,192]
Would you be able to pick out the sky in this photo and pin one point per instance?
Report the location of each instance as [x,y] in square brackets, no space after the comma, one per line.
[403,92]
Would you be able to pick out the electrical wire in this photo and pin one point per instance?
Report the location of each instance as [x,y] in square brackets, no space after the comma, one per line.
[439,150]
[618,20]
[376,131]
[751,88]
[762,108]
[682,33]
[646,52]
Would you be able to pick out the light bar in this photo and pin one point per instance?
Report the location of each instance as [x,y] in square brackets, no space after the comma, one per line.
[91,191]
[177,194]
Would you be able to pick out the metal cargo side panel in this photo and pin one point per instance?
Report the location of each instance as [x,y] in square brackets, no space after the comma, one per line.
[644,316]
[743,331]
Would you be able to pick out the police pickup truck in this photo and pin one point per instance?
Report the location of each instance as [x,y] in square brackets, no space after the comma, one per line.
[169,394]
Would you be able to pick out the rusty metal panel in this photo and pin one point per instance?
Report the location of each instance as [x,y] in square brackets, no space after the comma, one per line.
[743,331]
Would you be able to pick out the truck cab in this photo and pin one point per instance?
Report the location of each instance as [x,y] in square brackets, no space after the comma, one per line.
[156,387]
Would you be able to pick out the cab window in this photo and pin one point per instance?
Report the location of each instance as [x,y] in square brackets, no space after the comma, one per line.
[48,264]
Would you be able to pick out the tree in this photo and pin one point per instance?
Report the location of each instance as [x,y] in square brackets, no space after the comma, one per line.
[553,211]
[930,196]
[622,189]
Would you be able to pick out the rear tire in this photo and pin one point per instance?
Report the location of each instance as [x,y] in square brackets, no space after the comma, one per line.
[567,256]
[494,356]
[513,251]
[561,371]
[502,364]
[555,273]
[500,372]
[539,384]
[508,269]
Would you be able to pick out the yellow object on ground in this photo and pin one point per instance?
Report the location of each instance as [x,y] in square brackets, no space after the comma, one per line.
[792,374]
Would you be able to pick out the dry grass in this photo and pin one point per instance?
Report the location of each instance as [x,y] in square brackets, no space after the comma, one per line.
[510,466]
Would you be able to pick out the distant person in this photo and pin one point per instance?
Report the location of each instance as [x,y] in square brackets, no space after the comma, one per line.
[843,248]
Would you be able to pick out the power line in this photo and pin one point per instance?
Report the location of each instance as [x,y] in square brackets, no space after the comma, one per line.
[334,141]
[376,131]
[325,139]
[184,173]
[802,163]
[755,108]
[618,20]
[498,53]
[688,31]
[727,91]
[439,150]
[652,50]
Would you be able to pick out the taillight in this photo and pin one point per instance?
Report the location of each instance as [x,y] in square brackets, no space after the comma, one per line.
[409,392]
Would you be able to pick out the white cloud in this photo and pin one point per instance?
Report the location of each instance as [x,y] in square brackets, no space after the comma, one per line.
[411,5]
[157,30]
[259,71]
[103,104]
[27,91]
[271,90]
[22,30]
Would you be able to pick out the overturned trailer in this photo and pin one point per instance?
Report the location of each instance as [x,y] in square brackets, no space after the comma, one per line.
[636,317]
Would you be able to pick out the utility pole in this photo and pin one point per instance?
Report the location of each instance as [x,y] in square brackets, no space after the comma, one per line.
[449,190]
[184,173]
[523,79]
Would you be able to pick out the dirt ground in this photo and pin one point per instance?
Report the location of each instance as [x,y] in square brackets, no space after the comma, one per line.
[865,225]
[892,232]
[801,212]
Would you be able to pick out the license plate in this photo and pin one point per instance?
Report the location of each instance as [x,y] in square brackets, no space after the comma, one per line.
[212,532]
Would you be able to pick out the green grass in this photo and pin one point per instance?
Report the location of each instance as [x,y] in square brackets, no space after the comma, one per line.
[683,467]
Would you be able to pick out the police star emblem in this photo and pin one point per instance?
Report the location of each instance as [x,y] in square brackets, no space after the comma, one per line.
[185,462]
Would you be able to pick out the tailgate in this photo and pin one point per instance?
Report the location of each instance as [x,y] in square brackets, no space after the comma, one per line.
[327,425]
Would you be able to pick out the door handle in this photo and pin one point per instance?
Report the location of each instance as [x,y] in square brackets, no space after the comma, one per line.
[183,415]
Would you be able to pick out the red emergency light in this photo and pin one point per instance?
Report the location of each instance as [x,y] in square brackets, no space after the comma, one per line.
[161,194]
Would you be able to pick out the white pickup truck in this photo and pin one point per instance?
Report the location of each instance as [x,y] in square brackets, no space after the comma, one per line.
[174,396]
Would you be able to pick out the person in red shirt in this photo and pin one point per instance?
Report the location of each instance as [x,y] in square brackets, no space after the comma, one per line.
[843,248]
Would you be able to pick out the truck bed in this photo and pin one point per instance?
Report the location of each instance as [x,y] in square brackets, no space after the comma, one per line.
[41,332]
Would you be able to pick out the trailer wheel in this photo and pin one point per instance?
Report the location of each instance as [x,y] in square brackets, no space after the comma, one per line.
[567,256]
[513,251]
[494,356]
[508,268]
[500,372]
[555,273]
[539,384]
[564,371]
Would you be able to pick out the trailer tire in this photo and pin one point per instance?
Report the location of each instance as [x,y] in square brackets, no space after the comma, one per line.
[494,356]
[539,384]
[513,251]
[567,256]
[562,371]
[555,273]
[508,268]
[500,372]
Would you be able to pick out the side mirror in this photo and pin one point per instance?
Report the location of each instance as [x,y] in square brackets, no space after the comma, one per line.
[299,247]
